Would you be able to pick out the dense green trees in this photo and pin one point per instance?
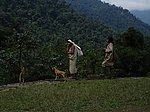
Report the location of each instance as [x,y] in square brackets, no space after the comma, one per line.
[133,53]
[35,34]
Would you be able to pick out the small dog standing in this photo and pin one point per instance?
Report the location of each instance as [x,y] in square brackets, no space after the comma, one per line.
[58,73]
[22,73]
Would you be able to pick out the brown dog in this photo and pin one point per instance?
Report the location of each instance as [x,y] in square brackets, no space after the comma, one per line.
[58,73]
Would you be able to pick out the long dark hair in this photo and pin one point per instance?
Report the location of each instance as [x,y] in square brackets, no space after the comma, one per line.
[110,40]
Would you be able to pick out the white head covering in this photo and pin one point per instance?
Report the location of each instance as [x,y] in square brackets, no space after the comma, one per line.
[70,41]
[74,44]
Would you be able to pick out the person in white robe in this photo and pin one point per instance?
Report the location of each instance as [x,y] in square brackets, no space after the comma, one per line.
[108,62]
[72,54]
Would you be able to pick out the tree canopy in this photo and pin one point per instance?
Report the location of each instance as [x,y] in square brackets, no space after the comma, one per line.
[35,32]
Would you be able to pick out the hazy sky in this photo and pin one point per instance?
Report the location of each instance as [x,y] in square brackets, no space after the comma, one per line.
[131,4]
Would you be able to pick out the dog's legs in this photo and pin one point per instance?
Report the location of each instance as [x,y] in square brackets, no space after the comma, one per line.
[64,76]
[56,78]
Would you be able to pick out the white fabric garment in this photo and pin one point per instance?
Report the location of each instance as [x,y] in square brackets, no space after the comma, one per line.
[73,59]
[74,44]
[79,51]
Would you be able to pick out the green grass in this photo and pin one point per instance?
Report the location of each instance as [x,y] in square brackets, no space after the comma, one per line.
[79,96]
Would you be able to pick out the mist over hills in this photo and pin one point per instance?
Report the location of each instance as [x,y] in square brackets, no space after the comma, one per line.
[116,17]
[143,15]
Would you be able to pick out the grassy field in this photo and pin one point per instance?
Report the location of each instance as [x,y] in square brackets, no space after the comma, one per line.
[117,95]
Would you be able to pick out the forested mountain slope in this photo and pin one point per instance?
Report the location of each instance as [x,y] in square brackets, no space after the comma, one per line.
[115,17]
[35,33]
[52,17]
